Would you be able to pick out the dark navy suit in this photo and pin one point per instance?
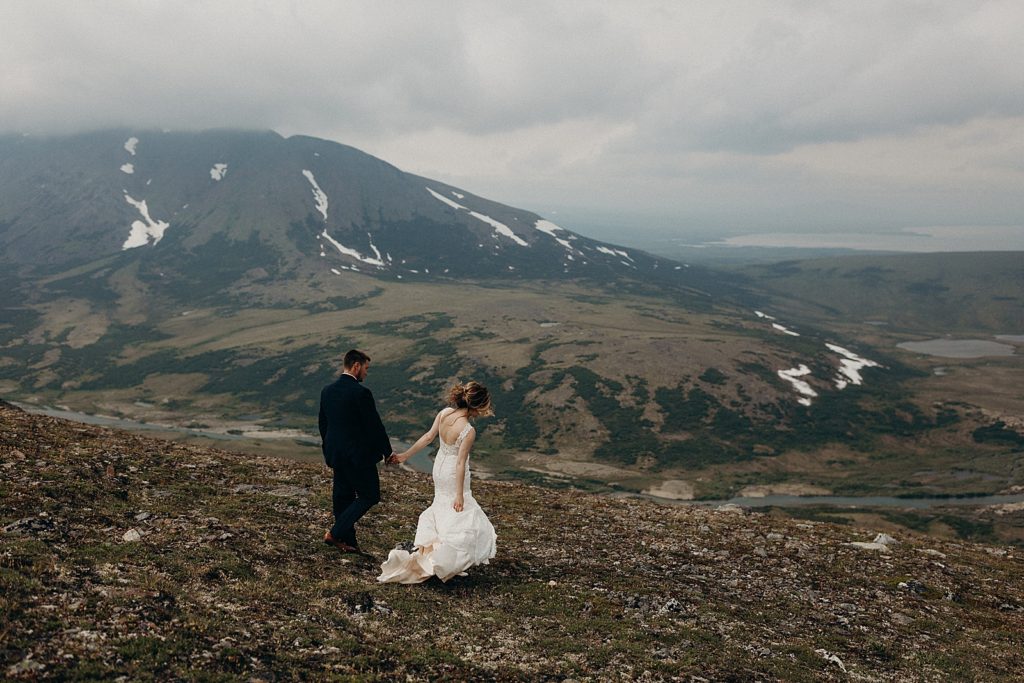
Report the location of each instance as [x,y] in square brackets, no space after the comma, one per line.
[354,441]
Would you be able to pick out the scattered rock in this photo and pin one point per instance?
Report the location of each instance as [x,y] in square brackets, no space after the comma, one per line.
[902,619]
[913,585]
[869,546]
[360,603]
[131,536]
[834,659]
[31,525]
[886,539]
[672,605]
[25,666]
[290,492]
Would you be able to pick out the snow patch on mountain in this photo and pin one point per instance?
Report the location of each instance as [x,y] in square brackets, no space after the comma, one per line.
[145,230]
[549,228]
[128,168]
[377,251]
[319,196]
[449,202]
[498,226]
[347,251]
[785,330]
[130,144]
[850,366]
[615,252]
[800,385]
[219,171]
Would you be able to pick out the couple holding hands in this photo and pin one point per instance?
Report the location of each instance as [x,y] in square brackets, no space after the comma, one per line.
[453,533]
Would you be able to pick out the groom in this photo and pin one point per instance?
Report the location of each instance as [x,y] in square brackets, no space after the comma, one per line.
[354,441]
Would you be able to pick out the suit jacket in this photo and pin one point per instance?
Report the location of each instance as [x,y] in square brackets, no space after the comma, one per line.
[350,427]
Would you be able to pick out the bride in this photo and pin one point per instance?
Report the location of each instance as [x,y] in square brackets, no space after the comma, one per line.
[453,534]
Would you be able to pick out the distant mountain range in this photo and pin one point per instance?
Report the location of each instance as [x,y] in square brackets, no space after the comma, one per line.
[259,200]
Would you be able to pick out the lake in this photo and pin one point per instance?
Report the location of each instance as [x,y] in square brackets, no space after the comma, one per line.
[866,501]
[958,348]
[921,240]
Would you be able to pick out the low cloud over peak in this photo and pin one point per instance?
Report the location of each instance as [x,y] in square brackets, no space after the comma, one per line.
[649,106]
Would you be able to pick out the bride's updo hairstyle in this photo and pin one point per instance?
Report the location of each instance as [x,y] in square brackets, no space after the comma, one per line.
[472,396]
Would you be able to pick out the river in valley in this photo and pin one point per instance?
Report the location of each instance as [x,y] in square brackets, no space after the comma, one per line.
[423,463]
[845,501]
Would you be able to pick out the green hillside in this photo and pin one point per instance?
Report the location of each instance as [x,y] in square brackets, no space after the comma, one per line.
[929,293]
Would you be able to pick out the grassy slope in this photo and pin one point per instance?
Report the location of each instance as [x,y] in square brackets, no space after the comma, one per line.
[229,580]
[927,293]
[631,379]
[206,362]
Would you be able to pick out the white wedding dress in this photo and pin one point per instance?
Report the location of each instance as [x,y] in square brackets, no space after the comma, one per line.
[447,542]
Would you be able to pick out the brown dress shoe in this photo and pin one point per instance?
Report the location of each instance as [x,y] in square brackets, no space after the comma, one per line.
[340,545]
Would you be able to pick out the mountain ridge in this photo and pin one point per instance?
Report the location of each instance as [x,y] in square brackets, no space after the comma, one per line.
[300,198]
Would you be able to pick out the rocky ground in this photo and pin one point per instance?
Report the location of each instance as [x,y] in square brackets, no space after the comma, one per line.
[124,557]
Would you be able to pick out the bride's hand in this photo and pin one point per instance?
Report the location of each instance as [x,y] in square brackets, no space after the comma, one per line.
[457,504]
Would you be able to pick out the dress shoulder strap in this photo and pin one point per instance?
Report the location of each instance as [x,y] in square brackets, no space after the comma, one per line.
[462,434]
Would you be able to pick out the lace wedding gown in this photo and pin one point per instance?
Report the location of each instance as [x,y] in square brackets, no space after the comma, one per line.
[447,542]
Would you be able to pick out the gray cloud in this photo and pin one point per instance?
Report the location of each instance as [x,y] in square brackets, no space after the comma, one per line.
[743,115]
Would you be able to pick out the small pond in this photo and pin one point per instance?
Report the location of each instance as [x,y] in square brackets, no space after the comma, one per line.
[958,348]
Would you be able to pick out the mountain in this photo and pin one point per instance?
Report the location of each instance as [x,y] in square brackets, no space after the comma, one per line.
[216,205]
[126,556]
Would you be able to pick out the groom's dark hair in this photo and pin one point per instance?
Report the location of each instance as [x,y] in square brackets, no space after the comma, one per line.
[355,356]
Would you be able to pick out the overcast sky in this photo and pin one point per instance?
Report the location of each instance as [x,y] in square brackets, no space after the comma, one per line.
[688,117]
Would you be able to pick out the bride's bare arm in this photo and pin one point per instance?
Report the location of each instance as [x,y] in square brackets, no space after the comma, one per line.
[421,442]
[460,468]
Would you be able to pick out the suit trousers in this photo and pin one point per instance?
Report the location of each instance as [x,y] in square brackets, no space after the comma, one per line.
[356,490]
